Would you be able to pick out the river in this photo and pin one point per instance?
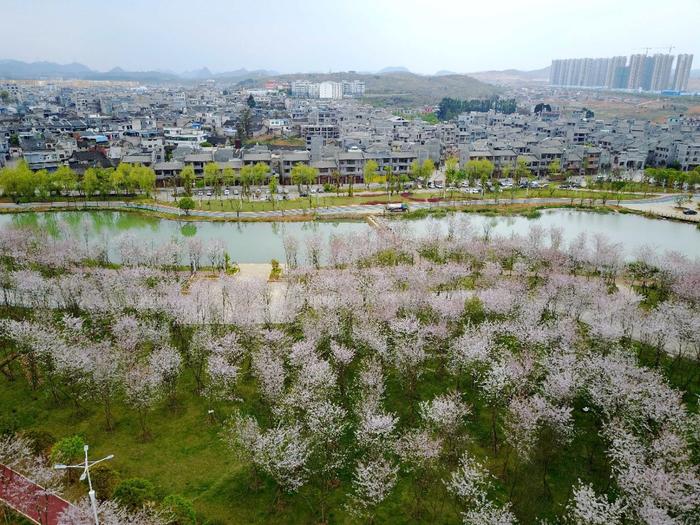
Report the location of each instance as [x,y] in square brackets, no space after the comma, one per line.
[256,242]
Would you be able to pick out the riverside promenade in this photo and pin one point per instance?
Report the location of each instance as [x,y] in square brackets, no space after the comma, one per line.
[355,210]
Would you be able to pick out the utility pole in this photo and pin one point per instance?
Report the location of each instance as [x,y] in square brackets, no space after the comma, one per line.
[86,475]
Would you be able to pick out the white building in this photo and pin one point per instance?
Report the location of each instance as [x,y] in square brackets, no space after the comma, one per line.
[330,89]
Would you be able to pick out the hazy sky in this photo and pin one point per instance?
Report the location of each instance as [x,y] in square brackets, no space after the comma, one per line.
[318,35]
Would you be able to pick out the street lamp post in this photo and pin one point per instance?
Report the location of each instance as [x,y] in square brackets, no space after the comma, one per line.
[86,475]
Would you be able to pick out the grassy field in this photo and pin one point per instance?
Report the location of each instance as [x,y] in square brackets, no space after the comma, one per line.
[187,456]
[324,200]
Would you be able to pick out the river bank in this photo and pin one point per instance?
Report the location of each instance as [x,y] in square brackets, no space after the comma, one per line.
[655,206]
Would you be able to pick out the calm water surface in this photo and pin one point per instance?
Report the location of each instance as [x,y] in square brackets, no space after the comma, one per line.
[631,231]
[262,241]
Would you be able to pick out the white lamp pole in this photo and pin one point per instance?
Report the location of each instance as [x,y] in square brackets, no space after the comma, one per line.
[85,466]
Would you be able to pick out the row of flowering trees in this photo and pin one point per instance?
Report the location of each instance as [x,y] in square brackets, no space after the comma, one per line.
[449,378]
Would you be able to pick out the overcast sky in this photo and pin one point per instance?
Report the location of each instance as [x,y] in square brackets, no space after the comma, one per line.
[364,35]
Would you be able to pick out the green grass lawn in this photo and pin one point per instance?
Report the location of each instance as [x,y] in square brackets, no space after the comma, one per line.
[186,455]
[331,199]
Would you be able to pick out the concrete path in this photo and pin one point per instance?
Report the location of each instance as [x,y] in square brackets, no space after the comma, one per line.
[666,208]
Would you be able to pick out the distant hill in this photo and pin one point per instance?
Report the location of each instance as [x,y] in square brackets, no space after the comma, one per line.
[393,69]
[695,73]
[444,72]
[18,70]
[513,76]
[397,89]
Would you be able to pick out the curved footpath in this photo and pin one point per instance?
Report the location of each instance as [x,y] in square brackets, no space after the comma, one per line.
[329,211]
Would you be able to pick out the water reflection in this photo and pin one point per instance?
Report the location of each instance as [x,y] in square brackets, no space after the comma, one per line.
[262,241]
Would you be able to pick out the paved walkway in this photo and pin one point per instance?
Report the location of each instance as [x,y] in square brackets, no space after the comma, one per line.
[327,211]
[667,208]
[29,499]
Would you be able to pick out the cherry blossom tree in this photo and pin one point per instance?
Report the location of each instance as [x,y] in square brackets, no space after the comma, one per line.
[372,482]
[588,508]
[110,513]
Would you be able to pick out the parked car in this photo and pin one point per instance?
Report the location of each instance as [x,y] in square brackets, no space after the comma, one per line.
[227,192]
[397,207]
[689,211]
[209,194]
[200,194]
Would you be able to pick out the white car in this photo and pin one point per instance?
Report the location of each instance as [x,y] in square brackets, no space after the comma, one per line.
[227,192]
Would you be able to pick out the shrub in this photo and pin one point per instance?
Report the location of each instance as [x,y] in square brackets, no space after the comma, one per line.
[186,204]
[134,493]
[68,450]
[41,441]
[181,510]
[104,480]
[276,271]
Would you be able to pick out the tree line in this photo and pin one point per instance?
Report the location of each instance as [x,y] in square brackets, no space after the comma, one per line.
[22,184]
[449,108]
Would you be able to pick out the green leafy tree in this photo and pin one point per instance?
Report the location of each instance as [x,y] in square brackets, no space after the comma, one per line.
[260,173]
[303,175]
[186,204]
[135,493]
[66,179]
[187,178]
[451,173]
[121,177]
[247,178]
[66,451]
[370,171]
[229,176]
[18,182]
[426,170]
[211,174]
[90,182]
[143,178]
[554,168]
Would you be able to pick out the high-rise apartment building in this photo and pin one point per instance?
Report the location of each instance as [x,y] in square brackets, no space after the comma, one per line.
[642,72]
[661,73]
[637,62]
[682,73]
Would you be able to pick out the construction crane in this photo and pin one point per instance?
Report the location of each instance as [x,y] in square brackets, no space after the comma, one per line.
[647,49]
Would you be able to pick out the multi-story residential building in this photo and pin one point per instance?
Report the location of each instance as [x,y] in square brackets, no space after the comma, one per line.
[353,88]
[682,72]
[330,90]
[642,72]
